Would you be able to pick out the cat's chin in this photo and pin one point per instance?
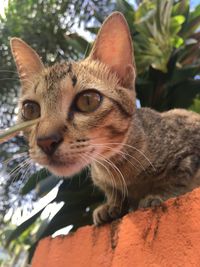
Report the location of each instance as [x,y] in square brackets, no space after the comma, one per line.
[65,171]
[60,167]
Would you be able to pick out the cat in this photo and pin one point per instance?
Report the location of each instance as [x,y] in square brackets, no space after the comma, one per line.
[88,116]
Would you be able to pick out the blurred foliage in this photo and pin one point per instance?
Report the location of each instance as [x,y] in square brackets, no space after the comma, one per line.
[166,42]
[167,53]
[196,105]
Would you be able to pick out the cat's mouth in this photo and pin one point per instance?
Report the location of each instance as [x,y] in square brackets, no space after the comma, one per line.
[65,168]
[62,165]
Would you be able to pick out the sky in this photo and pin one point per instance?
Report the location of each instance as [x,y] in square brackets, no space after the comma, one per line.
[194,2]
[3,4]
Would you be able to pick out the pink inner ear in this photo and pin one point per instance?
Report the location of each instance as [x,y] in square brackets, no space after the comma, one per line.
[27,61]
[113,46]
[116,54]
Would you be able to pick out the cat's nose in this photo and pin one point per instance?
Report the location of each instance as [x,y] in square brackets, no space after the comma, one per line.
[50,143]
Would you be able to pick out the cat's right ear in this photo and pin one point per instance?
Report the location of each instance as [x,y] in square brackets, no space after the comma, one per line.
[27,61]
[113,47]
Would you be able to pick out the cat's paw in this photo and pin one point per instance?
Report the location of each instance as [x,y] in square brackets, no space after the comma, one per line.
[150,201]
[106,213]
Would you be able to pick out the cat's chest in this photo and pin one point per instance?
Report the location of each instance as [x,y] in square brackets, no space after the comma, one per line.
[127,179]
[120,177]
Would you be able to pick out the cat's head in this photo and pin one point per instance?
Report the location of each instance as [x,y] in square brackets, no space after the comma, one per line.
[85,108]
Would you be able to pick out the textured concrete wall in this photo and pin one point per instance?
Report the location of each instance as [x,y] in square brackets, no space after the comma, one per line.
[168,236]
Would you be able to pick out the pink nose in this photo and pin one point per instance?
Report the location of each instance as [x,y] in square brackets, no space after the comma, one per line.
[50,143]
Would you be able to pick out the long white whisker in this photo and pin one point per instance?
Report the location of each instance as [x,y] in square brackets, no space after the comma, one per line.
[136,150]
[86,164]
[109,172]
[17,156]
[124,186]
[18,168]
[123,154]
[28,167]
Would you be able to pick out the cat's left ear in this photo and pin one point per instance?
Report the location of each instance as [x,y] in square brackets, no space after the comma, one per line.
[27,61]
[113,47]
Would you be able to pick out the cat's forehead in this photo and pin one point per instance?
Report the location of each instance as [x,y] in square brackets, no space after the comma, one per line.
[59,71]
[59,84]
[56,86]
[77,76]
[55,81]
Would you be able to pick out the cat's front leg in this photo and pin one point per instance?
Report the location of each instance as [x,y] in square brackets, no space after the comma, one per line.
[113,209]
[107,213]
[150,201]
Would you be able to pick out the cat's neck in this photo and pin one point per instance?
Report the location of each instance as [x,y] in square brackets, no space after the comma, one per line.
[133,158]
[135,148]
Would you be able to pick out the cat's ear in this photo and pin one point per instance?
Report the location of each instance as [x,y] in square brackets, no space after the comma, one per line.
[27,61]
[113,47]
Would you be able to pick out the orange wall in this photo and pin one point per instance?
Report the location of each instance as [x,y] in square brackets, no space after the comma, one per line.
[147,238]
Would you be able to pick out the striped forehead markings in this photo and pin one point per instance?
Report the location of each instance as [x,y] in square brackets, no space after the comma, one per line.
[59,72]
[72,75]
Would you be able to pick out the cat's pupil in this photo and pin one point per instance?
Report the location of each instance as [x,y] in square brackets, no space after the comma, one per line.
[88,101]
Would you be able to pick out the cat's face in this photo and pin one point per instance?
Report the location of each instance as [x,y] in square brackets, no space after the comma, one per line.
[85,108]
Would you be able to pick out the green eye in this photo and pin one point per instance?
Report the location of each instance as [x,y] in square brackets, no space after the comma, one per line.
[30,110]
[88,101]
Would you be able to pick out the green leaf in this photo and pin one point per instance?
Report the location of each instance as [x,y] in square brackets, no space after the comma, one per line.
[195,105]
[6,134]
[22,227]
[34,180]
[66,217]
[182,95]
[77,42]
[182,74]
[46,185]
[177,41]
[178,20]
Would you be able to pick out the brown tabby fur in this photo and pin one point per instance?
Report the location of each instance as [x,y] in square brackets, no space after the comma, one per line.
[138,157]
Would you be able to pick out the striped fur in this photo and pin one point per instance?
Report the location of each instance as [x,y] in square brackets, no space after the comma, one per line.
[138,157]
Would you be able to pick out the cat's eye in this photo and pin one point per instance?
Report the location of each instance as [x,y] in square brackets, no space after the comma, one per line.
[88,101]
[30,110]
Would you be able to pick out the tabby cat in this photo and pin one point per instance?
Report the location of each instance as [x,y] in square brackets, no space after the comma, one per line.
[88,116]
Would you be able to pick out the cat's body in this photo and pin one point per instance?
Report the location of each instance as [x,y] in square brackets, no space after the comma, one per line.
[87,113]
[161,161]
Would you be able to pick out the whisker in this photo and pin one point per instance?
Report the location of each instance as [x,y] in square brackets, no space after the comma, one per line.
[14,157]
[124,186]
[16,170]
[123,154]
[113,166]
[141,153]
[28,167]
[88,167]
[19,167]
[109,172]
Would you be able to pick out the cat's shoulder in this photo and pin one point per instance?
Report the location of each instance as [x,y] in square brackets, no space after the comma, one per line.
[173,116]
[181,114]
[170,114]
[148,114]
